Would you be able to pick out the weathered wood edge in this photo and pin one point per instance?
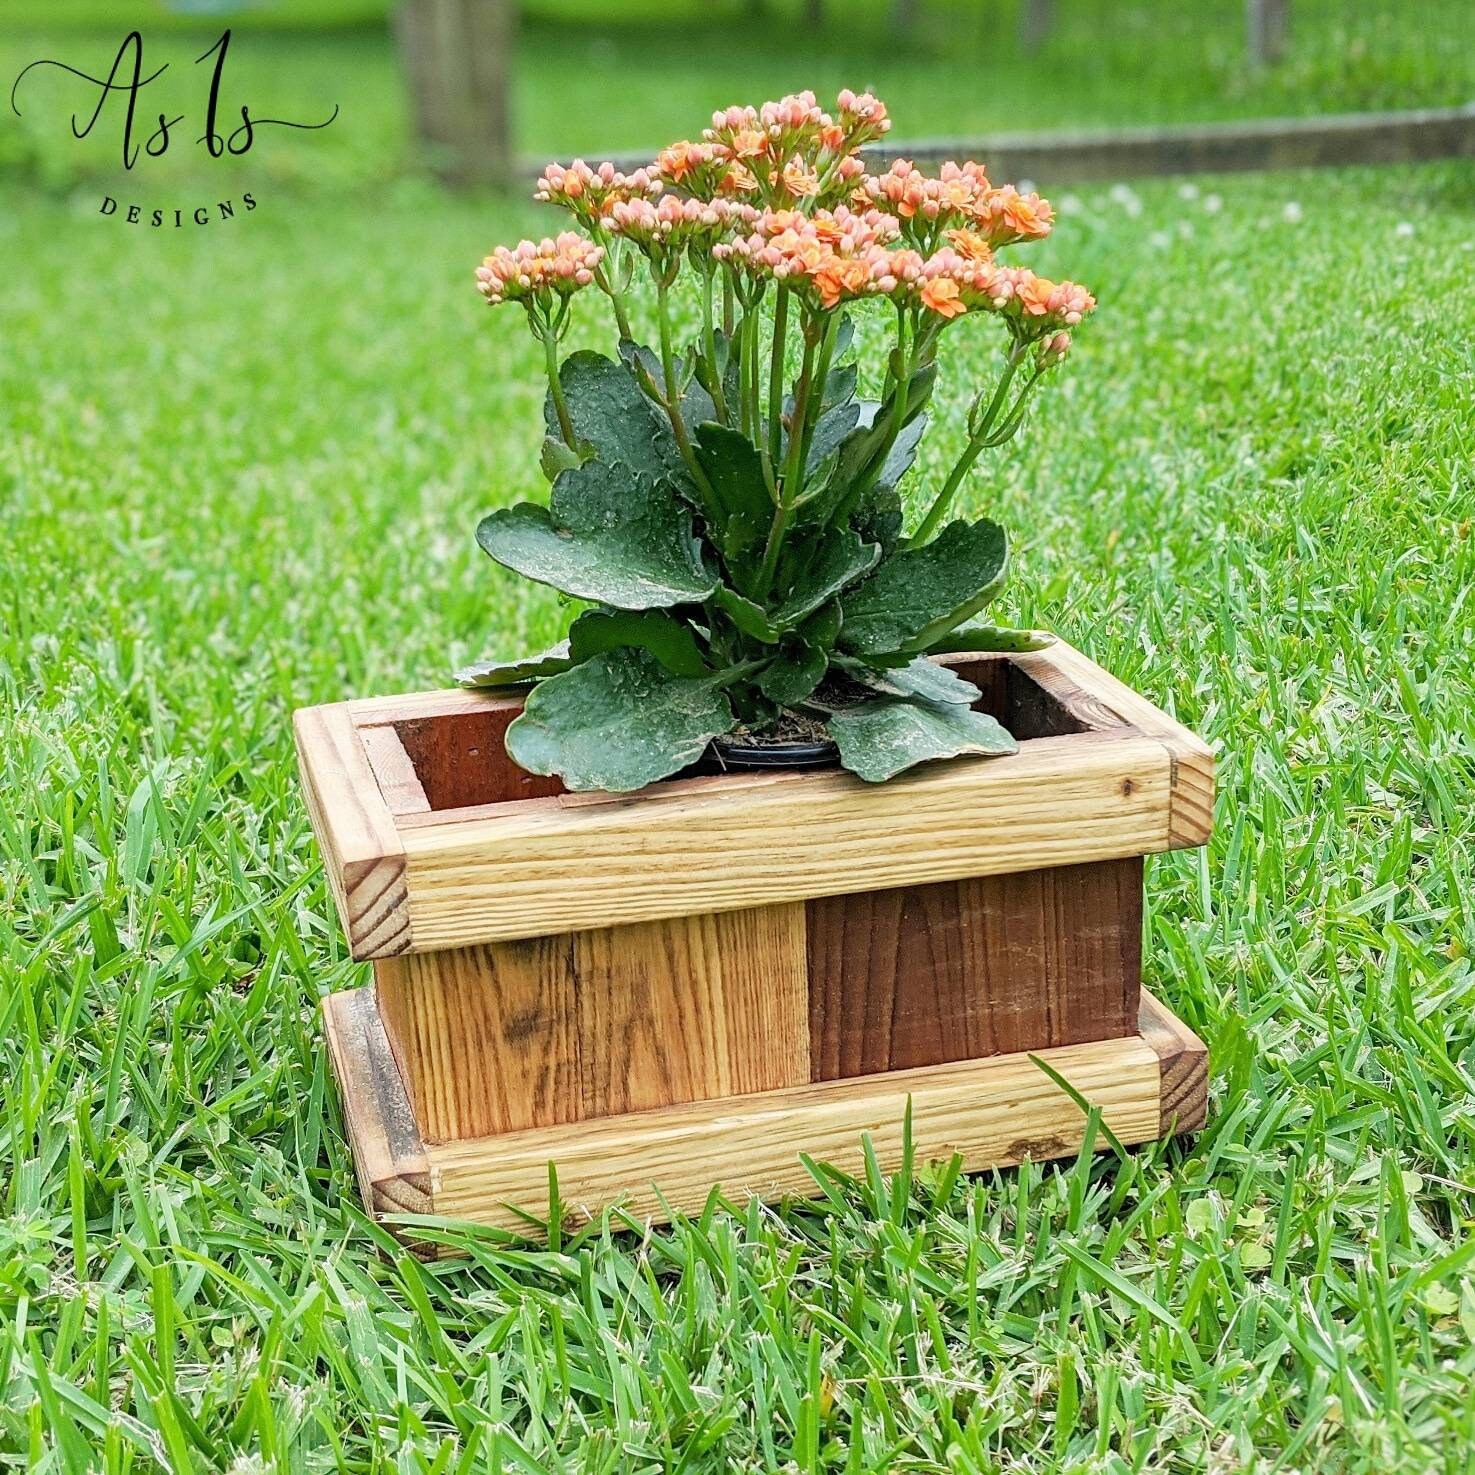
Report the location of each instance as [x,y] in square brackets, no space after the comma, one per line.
[1191,811]
[1184,1064]
[388,1155]
[1149,1085]
[363,855]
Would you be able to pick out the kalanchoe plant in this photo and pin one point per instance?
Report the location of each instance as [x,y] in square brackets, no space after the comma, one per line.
[731,507]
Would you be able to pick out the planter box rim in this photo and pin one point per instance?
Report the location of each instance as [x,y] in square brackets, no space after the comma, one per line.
[1125,779]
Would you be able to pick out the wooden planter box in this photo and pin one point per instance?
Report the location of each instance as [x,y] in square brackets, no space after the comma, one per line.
[695,984]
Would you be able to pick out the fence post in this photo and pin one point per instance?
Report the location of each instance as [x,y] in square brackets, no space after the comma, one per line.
[457,59]
[1265,24]
[1036,19]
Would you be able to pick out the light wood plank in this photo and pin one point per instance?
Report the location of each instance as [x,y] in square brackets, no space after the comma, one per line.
[362,854]
[675,849]
[393,772]
[1191,810]
[994,1112]
[486,1038]
[414,706]
[692,1008]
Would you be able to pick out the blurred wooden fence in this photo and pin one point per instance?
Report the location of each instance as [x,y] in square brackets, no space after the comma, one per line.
[1261,143]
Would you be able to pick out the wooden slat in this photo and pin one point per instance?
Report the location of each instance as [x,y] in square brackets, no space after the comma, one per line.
[1183,1062]
[1191,810]
[678,849]
[388,1155]
[362,854]
[692,1008]
[414,706]
[994,1112]
[393,772]
[486,1038]
[507,1035]
[960,969]
[1320,141]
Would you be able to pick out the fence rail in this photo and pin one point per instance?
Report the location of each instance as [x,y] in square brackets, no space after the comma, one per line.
[1262,143]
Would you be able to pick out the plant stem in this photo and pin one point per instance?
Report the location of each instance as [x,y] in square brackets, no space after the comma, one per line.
[710,341]
[604,278]
[971,452]
[560,405]
[776,374]
[790,485]
[895,408]
[821,376]
[672,403]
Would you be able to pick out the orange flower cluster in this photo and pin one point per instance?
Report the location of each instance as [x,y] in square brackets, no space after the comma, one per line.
[952,283]
[841,254]
[559,265]
[833,254]
[588,193]
[779,193]
[960,199]
[674,221]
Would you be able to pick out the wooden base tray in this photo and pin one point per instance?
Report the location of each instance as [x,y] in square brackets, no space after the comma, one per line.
[994,1112]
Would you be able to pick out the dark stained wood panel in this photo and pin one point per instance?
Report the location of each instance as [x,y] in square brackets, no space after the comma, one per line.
[460,758]
[923,975]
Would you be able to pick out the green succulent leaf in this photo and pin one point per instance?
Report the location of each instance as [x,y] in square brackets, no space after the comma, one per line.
[668,639]
[607,535]
[830,431]
[840,384]
[752,619]
[877,514]
[698,404]
[557,457]
[822,628]
[735,471]
[609,411]
[881,738]
[977,636]
[794,673]
[917,595]
[918,677]
[491,672]
[617,722]
[838,561]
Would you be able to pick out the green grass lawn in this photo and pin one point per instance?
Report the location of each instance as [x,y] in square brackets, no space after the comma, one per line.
[239,472]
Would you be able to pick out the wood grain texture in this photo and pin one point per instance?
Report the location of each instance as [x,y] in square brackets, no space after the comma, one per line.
[486,1038]
[692,1008]
[1191,806]
[701,845]
[993,1112]
[507,1035]
[956,970]
[363,857]
[393,771]
[388,1154]
[1184,1067]
[1108,777]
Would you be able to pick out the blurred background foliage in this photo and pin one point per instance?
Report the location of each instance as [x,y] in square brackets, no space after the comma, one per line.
[592,76]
